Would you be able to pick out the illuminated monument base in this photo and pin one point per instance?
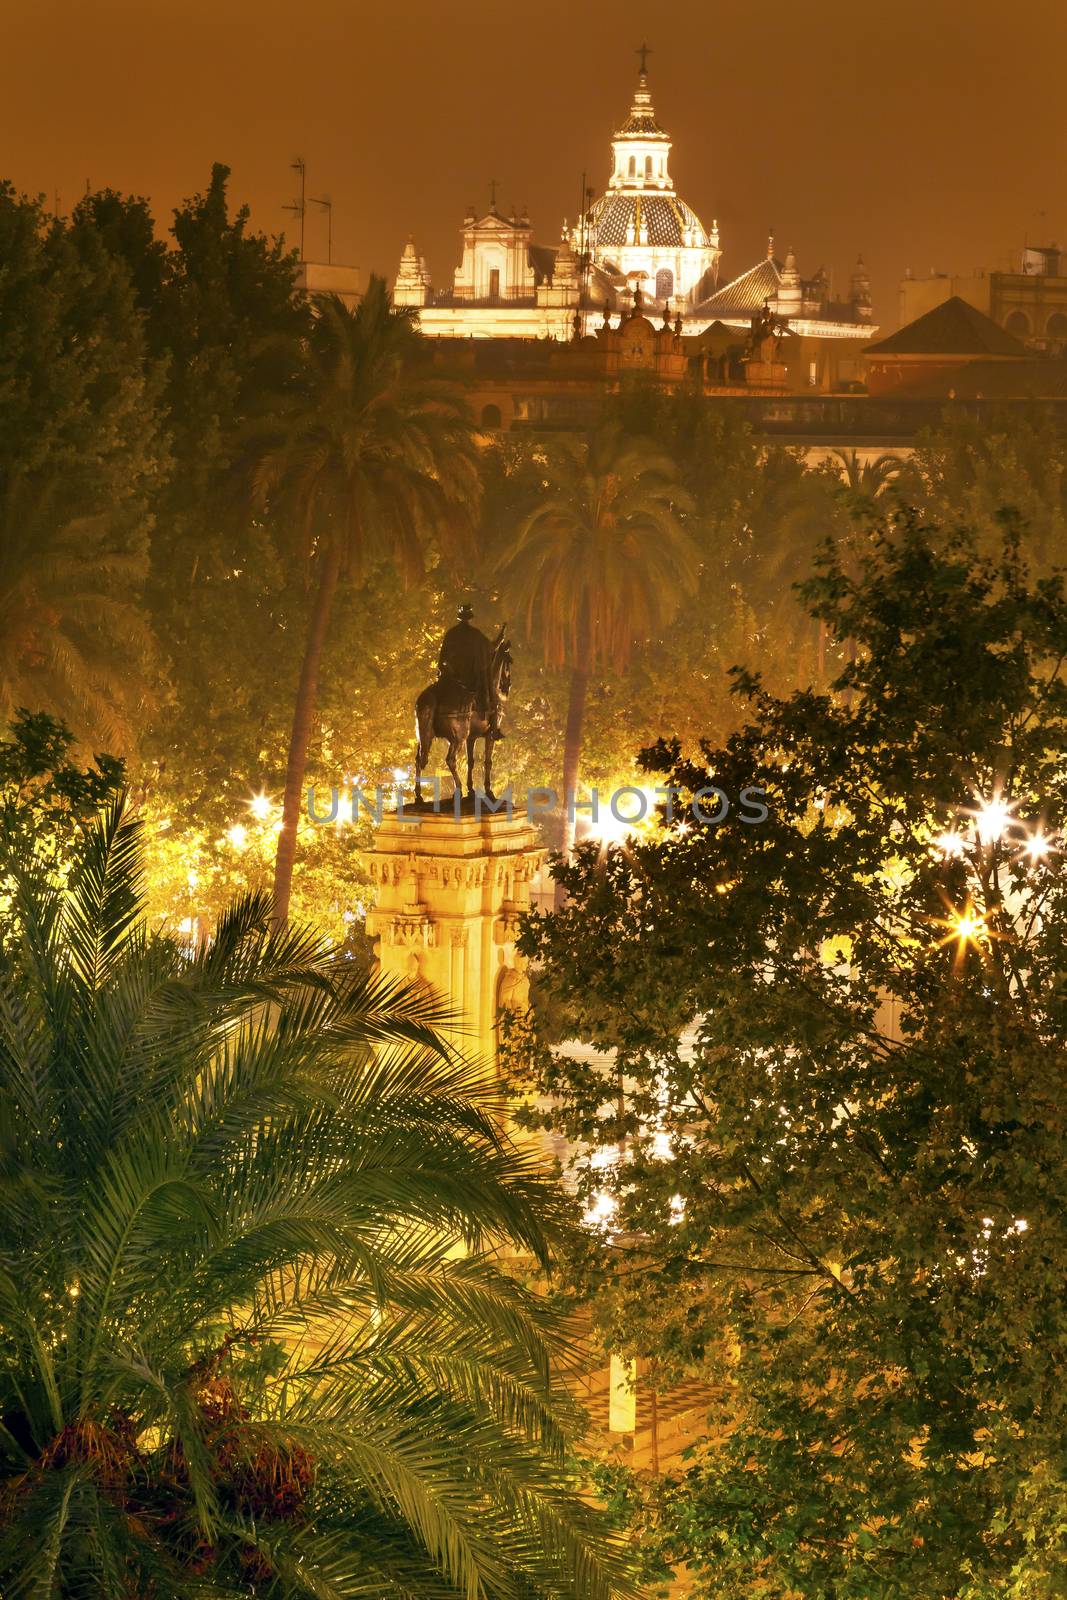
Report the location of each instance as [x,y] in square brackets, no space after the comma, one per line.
[448,897]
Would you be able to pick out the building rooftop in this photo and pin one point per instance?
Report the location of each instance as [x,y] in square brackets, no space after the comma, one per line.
[746,294]
[953,328]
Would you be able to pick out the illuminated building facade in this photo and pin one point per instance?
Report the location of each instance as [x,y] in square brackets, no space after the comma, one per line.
[639,235]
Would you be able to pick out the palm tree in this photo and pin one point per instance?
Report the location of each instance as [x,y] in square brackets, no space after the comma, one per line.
[72,640]
[240,1353]
[867,480]
[600,561]
[367,461]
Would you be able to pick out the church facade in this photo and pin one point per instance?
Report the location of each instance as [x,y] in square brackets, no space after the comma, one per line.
[638,246]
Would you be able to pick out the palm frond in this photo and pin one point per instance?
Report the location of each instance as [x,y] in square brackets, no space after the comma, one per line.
[254,1322]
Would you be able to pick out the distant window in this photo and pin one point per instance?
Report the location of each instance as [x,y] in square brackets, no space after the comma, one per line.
[633,167]
[494,283]
[490,417]
[648,166]
[664,283]
[1019,324]
[1057,326]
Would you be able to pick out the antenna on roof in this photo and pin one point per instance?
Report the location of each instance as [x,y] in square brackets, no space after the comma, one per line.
[300,206]
[327,205]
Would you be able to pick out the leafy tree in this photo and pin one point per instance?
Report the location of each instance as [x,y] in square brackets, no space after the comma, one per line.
[240,1352]
[839,1036]
[73,640]
[77,399]
[369,461]
[214,808]
[970,468]
[125,227]
[224,325]
[231,323]
[80,458]
[600,560]
[223,328]
[219,309]
[45,801]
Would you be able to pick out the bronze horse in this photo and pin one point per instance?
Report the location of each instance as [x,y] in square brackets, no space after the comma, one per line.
[449,710]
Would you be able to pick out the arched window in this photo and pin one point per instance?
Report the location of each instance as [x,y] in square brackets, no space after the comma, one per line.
[1019,324]
[664,283]
[633,166]
[1056,327]
[648,166]
[490,417]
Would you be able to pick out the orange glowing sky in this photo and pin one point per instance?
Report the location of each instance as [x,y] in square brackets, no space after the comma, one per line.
[928,133]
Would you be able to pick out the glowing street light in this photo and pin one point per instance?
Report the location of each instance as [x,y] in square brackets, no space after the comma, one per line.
[966,926]
[1037,846]
[600,1213]
[259,805]
[238,836]
[951,845]
[992,820]
[610,829]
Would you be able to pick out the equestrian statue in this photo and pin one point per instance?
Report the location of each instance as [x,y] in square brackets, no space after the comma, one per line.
[467,702]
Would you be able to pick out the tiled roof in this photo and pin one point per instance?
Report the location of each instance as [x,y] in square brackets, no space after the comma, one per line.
[642,123]
[746,294]
[664,214]
[953,328]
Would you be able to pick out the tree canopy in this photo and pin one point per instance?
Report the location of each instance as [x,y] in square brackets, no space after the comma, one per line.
[840,1034]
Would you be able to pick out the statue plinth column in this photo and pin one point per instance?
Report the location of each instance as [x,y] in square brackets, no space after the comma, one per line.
[449,893]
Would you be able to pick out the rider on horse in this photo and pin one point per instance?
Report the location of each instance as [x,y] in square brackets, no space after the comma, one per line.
[466,656]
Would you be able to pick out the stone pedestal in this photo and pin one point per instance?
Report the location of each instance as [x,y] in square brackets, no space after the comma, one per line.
[448,896]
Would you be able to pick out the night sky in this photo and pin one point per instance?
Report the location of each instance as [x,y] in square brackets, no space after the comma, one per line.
[928,133]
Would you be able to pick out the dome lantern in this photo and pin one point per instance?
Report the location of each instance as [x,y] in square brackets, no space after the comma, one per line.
[641,148]
[639,224]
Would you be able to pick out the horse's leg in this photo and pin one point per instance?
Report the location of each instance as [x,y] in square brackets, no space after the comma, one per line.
[423,741]
[489,764]
[454,738]
[471,737]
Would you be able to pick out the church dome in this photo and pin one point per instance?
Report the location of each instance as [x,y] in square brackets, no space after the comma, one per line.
[624,217]
[640,225]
